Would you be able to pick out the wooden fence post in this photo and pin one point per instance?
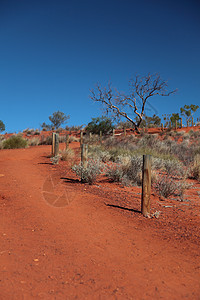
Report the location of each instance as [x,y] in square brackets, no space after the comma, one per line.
[146,185]
[192,121]
[56,151]
[53,144]
[67,141]
[175,124]
[113,132]
[162,127]
[90,136]
[181,123]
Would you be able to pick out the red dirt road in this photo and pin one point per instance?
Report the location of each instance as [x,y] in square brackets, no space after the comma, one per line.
[83,249]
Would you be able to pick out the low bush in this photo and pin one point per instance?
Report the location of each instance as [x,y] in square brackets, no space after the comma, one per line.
[128,170]
[165,186]
[55,159]
[115,172]
[98,152]
[196,172]
[34,141]
[90,173]
[15,142]
[46,140]
[174,167]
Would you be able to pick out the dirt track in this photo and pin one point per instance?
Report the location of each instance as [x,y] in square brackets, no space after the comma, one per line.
[83,250]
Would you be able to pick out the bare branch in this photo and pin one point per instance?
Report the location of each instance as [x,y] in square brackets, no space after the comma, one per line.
[141,89]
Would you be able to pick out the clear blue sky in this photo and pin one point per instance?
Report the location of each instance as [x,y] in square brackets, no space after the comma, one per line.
[53,52]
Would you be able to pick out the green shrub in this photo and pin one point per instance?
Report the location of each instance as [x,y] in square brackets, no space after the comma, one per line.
[2,126]
[103,124]
[15,142]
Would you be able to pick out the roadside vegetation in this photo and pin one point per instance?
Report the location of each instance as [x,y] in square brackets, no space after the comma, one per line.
[120,160]
[14,142]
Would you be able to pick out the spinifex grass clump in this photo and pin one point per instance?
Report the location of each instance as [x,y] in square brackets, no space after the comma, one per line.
[15,142]
[67,155]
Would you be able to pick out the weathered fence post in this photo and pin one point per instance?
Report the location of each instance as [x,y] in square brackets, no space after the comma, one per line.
[81,138]
[53,144]
[90,136]
[113,132]
[67,141]
[181,123]
[162,127]
[192,121]
[84,157]
[146,185]
[56,151]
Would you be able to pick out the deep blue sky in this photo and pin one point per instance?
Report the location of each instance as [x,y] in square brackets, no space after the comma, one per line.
[53,52]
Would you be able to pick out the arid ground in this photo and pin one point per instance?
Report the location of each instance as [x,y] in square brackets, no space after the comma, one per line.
[61,239]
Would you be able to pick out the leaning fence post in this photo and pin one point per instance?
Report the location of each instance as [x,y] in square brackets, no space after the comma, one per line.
[146,185]
[53,144]
[56,151]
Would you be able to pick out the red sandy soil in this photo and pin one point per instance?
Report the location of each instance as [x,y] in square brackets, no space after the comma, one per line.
[120,132]
[86,245]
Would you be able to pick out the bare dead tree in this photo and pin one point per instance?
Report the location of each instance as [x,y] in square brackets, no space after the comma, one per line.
[141,90]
